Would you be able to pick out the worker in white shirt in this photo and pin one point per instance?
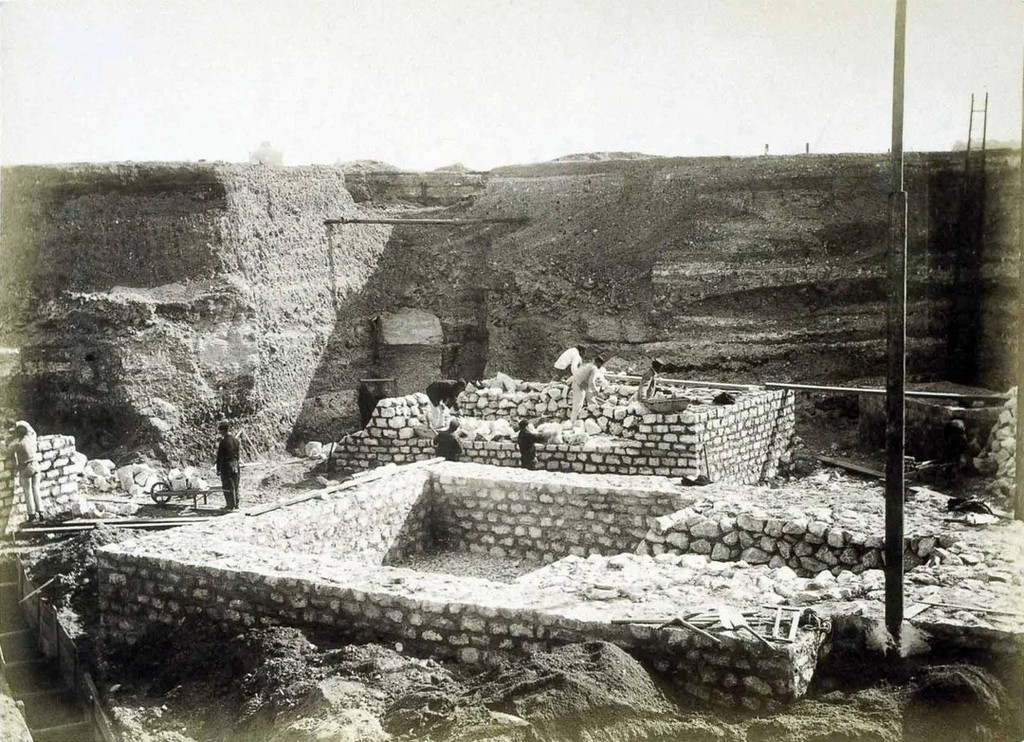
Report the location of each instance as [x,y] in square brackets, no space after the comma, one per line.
[584,385]
[569,361]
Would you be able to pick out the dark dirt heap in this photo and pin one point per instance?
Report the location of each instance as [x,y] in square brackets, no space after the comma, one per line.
[71,563]
[285,685]
[592,691]
[960,702]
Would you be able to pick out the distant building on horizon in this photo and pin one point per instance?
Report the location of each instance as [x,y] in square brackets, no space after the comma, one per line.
[266,155]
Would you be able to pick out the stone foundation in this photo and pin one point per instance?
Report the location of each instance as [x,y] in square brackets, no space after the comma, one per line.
[740,442]
[317,563]
[475,621]
[58,486]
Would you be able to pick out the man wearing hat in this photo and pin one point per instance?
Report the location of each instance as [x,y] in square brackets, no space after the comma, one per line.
[227,464]
[22,451]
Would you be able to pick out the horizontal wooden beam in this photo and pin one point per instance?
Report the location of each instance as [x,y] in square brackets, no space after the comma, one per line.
[428,222]
[851,466]
[989,397]
[685,382]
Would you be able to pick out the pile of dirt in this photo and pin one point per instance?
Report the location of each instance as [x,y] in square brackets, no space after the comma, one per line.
[276,683]
[592,691]
[289,685]
[957,702]
[71,564]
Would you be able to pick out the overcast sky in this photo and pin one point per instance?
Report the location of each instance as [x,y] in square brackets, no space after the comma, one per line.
[426,83]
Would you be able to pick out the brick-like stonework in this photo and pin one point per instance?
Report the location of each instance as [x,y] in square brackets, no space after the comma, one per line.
[319,563]
[151,581]
[372,524]
[542,517]
[740,442]
[805,545]
[58,486]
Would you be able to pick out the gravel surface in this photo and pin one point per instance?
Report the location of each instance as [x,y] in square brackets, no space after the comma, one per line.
[474,565]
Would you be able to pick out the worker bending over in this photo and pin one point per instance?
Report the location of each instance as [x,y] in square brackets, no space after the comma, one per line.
[569,362]
[584,385]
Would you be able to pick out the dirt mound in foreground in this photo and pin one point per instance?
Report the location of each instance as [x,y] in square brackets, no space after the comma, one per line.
[71,564]
[592,691]
[959,702]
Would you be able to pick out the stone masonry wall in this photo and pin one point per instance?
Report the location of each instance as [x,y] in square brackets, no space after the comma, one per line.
[807,533]
[540,516]
[153,581]
[371,523]
[741,442]
[58,486]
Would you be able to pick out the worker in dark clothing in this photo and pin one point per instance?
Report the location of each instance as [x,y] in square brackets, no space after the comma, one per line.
[447,445]
[528,440]
[227,464]
[447,392]
[958,449]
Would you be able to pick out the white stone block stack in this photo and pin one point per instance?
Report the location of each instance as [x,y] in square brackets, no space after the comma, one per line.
[741,442]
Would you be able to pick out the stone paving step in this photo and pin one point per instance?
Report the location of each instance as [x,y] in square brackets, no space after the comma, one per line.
[52,713]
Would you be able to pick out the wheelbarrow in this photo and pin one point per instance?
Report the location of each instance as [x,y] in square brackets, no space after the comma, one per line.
[162,494]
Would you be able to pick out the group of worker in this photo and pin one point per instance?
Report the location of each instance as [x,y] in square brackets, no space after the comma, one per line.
[23,453]
[584,380]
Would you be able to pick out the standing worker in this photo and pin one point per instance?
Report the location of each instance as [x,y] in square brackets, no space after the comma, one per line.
[584,384]
[528,440]
[227,464]
[447,445]
[570,361]
[23,453]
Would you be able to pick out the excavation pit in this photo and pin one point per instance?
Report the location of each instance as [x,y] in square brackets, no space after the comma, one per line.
[326,563]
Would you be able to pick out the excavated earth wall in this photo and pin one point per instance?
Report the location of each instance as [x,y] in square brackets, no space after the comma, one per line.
[149,299]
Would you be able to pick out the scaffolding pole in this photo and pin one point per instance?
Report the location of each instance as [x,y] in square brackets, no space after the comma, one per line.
[1018,500]
[896,321]
[427,222]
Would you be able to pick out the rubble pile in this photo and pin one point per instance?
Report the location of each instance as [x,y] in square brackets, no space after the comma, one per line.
[110,490]
[999,456]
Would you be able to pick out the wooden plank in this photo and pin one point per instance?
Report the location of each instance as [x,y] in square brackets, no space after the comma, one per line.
[37,590]
[629,378]
[428,222]
[151,525]
[851,466]
[100,721]
[977,608]
[967,396]
[915,609]
[131,521]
